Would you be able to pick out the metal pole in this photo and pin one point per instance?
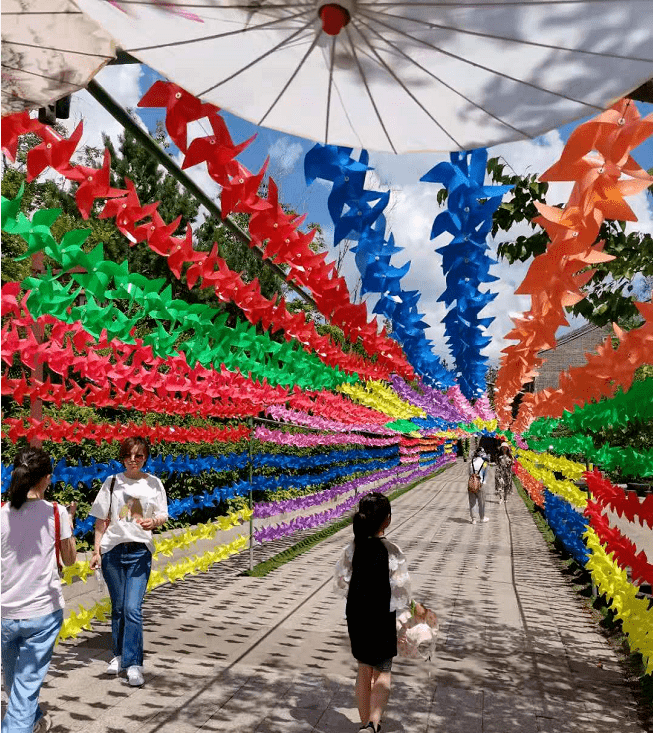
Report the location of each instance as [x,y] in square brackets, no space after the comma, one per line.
[251,502]
[36,403]
[118,113]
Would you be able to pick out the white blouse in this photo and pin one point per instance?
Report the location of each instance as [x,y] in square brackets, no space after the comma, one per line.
[400,596]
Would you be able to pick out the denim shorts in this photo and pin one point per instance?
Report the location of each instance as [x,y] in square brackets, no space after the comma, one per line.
[384,666]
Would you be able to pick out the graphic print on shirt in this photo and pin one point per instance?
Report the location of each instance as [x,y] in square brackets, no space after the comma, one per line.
[131,510]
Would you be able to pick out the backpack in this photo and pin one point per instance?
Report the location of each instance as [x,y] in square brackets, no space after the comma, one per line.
[474,482]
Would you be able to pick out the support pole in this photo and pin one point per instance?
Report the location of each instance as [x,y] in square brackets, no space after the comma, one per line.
[118,113]
[250,422]
[36,403]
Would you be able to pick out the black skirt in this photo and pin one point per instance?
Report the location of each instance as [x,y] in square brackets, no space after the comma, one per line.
[371,624]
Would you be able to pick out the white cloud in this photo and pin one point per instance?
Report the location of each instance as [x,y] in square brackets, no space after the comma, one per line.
[284,155]
[122,83]
[642,206]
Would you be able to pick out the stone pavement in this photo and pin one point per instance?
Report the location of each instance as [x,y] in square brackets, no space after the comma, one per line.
[517,651]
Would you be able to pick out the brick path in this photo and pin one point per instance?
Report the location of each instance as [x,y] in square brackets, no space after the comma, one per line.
[517,651]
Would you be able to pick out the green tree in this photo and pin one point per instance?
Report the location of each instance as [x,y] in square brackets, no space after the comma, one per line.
[490,384]
[610,293]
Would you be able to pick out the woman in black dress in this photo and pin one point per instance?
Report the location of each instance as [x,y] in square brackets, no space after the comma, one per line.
[372,571]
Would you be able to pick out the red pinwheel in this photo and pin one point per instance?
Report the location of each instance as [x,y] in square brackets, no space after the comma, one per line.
[10,304]
[94,183]
[127,210]
[272,222]
[181,108]
[10,344]
[225,281]
[54,152]
[217,150]
[202,267]
[241,193]
[158,234]
[13,126]
[182,252]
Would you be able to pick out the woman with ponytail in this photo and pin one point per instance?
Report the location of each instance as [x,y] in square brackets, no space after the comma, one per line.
[372,572]
[32,601]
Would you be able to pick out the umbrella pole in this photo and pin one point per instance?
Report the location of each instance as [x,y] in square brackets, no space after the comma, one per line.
[119,114]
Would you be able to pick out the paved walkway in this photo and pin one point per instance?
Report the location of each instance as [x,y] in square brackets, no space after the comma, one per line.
[517,651]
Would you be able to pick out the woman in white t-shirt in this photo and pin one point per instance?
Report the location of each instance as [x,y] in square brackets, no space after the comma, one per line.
[127,508]
[32,601]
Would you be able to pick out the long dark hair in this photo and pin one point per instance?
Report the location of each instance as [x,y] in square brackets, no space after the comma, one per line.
[30,466]
[373,510]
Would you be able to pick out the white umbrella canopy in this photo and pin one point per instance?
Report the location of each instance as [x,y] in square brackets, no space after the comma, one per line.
[49,50]
[403,77]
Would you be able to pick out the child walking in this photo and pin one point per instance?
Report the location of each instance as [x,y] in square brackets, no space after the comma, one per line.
[372,572]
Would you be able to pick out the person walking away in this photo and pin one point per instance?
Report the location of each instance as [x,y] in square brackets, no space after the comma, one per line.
[372,573]
[32,600]
[503,473]
[127,508]
[478,465]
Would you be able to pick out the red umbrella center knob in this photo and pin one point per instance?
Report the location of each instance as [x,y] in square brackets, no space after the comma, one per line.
[334,18]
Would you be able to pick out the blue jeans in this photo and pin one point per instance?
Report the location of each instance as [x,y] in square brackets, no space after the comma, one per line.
[27,646]
[126,569]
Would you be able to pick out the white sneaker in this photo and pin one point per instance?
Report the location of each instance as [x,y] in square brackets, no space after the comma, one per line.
[474,521]
[135,676]
[485,519]
[114,666]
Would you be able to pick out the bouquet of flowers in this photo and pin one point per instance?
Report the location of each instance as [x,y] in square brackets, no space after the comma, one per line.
[417,633]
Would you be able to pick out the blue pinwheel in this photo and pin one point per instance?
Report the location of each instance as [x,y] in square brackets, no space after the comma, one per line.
[465,264]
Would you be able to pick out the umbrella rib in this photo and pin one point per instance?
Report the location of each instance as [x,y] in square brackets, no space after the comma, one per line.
[509,39]
[475,64]
[262,26]
[444,83]
[369,92]
[328,107]
[289,82]
[406,89]
[258,58]
[58,50]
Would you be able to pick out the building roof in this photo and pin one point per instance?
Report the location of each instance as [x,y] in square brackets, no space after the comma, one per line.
[577,333]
